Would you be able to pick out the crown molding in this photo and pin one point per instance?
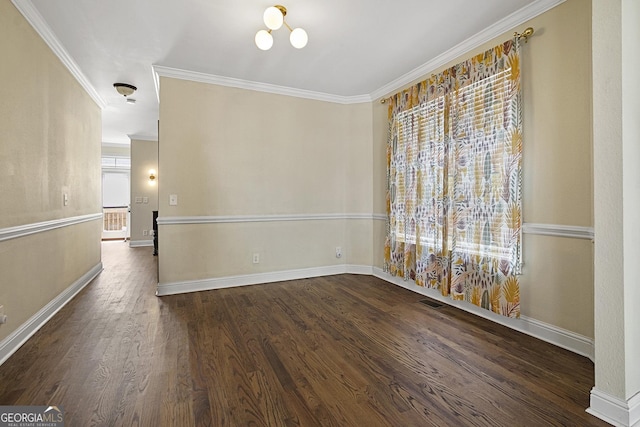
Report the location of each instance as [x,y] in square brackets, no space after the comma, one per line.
[151,138]
[519,17]
[33,17]
[162,71]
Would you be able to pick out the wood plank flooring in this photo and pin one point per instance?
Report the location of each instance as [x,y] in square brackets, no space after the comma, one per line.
[335,351]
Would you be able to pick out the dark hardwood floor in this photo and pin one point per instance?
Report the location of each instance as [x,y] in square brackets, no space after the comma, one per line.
[335,351]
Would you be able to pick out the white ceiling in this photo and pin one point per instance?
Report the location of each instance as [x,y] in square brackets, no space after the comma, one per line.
[358,49]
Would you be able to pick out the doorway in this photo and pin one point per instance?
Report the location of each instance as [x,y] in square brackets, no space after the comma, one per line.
[116,198]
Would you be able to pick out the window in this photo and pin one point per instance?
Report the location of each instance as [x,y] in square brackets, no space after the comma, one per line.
[454,170]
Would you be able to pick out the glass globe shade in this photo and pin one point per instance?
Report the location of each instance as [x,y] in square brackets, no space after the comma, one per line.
[264,40]
[298,38]
[273,18]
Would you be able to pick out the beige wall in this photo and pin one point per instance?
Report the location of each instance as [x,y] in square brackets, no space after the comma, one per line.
[144,156]
[557,284]
[50,145]
[235,152]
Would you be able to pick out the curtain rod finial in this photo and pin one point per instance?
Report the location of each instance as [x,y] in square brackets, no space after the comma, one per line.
[528,32]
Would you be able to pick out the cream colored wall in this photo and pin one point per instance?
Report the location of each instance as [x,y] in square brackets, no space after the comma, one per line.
[144,156]
[557,280]
[50,136]
[234,152]
[358,175]
[557,162]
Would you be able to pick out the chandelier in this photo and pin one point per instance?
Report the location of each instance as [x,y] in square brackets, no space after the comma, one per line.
[274,19]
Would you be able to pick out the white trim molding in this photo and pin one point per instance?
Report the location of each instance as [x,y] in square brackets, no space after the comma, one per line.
[33,17]
[519,17]
[140,243]
[559,230]
[615,411]
[259,278]
[194,76]
[150,138]
[560,337]
[39,227]
[14,341]
[178,220]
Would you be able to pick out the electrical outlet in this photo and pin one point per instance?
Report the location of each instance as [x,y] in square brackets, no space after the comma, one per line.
[338,252]
[3,317]
[256,258]
[65,199]
[145,233]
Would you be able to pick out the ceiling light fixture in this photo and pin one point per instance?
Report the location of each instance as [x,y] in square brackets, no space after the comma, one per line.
[274,19]
[125,89]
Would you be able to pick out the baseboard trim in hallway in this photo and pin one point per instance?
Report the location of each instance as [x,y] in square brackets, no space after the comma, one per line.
[14,341]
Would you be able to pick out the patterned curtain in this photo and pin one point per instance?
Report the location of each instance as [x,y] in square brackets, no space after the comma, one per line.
[454,181]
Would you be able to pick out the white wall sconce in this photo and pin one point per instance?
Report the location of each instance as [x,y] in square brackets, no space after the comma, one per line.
[274,19]
[152,176]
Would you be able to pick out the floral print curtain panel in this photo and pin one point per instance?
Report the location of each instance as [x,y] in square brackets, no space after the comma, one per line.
[454,161]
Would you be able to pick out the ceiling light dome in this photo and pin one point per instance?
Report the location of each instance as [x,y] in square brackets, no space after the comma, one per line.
[298,38]
[125,89]
[273,18]
[264,40]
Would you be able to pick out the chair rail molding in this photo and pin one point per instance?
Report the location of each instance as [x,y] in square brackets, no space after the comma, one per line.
[40,227]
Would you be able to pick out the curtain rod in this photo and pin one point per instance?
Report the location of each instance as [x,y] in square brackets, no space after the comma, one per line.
[528,32]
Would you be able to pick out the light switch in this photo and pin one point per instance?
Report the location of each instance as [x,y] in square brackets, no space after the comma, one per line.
[138,199]
[173,199]
[145,200]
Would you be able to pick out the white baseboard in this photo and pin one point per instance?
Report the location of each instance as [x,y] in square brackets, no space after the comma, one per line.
[14,341]
[616,412]
[568,340]
[259,278]
[140,243]
[552,334]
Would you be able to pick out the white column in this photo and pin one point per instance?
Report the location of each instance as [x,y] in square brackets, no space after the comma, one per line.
[616,153]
